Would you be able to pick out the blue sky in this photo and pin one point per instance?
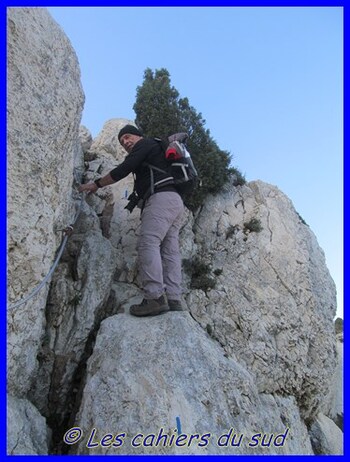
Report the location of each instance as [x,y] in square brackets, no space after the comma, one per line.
[267,80]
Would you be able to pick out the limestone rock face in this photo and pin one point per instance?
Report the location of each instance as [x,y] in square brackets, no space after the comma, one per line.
[84,288]
[333,406]
[27,429]
[45,101]
[326,437]
[85,138]
[76,304]
[107,142]
[144,373]
[274,300]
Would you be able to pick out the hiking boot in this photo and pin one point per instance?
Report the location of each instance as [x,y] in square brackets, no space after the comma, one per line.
[175,305]
[150,307]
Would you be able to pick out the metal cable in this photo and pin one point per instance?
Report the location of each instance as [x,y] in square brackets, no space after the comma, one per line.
[53,267]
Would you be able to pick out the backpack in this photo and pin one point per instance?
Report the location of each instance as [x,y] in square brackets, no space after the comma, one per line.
[182,171]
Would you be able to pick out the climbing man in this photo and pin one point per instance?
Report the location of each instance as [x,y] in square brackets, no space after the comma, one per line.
[162,209]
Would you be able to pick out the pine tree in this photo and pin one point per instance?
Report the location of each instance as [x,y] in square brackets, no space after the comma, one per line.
[156,106]
[211,162]
[161,112]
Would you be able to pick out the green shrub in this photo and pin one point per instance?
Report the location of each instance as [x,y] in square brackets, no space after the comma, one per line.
[253,226]
[339,325]
[302,219]
[199,274]
[231,231]
[239,178]
[218,272]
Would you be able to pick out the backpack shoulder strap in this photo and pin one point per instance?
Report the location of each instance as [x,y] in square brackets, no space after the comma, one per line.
[163,144]
[167,180]
[153,167]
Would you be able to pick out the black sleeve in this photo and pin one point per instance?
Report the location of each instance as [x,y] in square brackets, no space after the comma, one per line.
[133,160]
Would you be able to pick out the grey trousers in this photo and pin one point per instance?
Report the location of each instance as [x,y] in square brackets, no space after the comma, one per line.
[158,246]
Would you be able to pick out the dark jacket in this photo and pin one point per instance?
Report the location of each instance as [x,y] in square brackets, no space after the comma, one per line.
[145,150]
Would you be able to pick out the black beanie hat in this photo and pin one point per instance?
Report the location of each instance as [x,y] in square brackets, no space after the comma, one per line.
[130,129]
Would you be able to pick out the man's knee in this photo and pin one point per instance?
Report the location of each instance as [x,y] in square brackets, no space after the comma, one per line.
[149,241]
